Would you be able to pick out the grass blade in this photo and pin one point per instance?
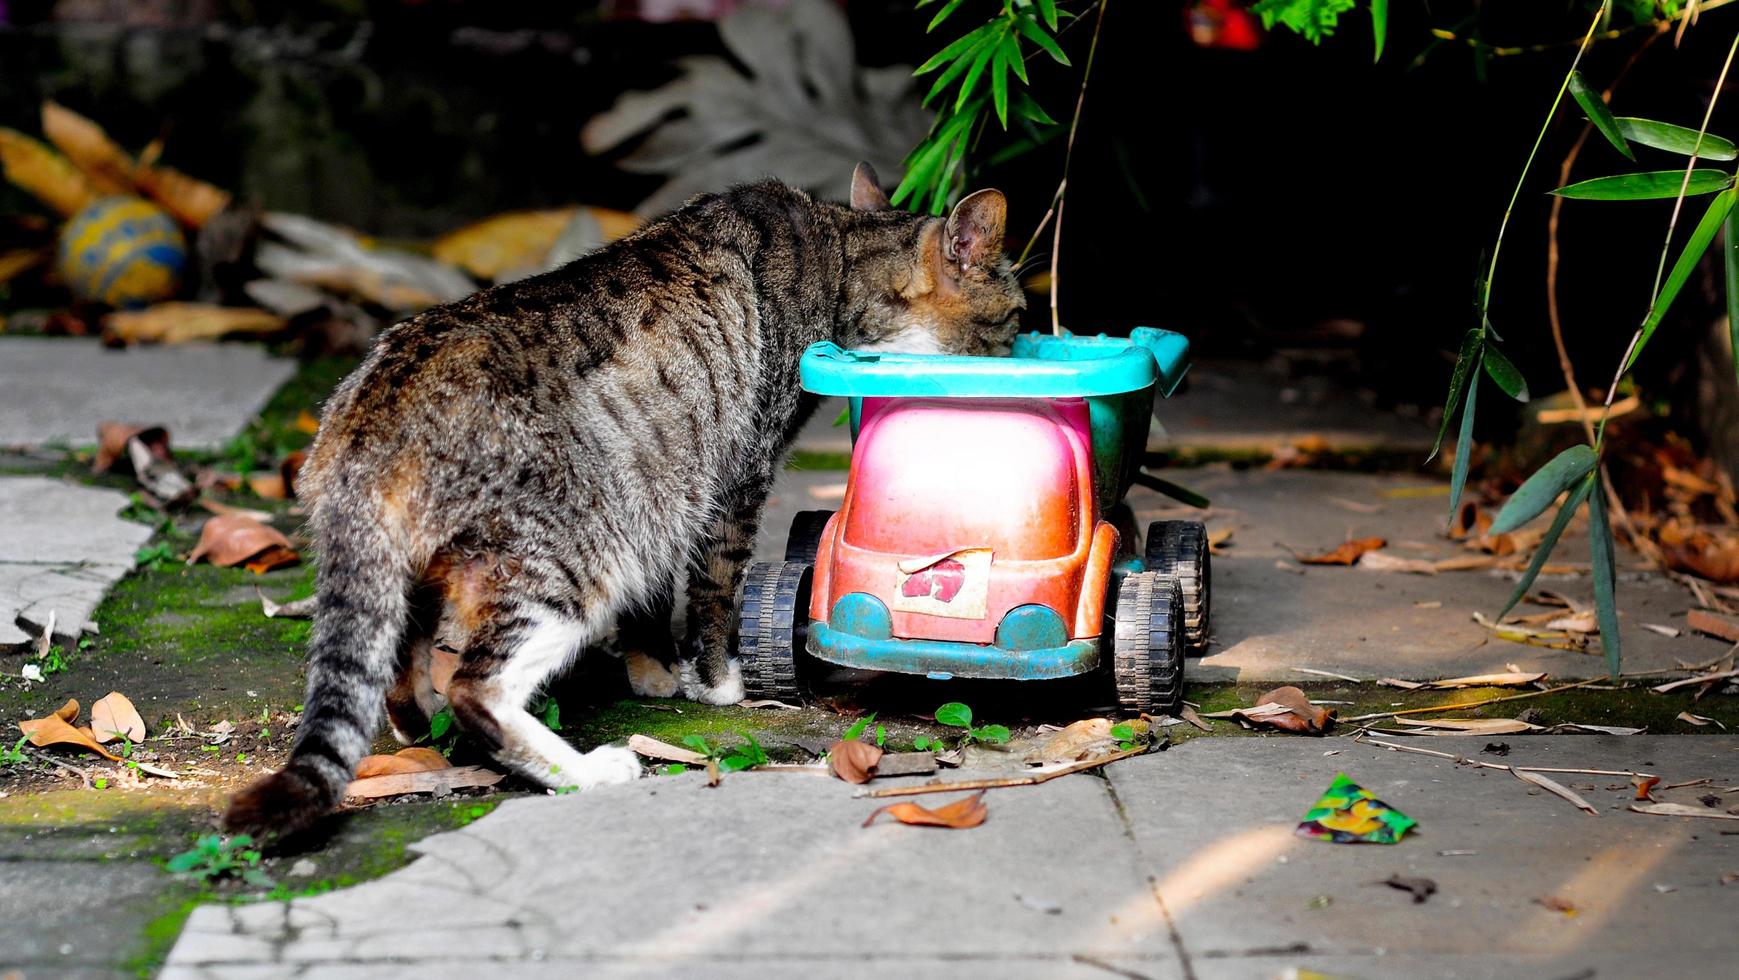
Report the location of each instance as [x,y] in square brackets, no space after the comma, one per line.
[1504,372]
[1379,26]
[1605,579]
[1649,185]
[1676,139]
[1695,246]
[1464,444]
[1538,491]
[1599,114]
[1470,344]
[1543,550]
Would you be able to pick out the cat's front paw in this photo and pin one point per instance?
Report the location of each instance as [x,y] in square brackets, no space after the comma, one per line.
[648,678]
[609,764]
[729,690]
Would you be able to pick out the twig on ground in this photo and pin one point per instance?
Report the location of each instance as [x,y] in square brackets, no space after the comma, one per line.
[69,767]
[1029,779]
[1699,679]
[1527,774]
[1469,704]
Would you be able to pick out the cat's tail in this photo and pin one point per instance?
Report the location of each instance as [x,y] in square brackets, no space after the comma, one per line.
[359,616]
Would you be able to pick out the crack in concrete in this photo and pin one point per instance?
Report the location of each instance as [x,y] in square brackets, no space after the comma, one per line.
[1183,956]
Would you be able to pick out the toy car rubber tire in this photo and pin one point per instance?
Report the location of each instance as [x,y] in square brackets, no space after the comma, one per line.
[1180,549]
[772,621]
[1147,644]
[804,538]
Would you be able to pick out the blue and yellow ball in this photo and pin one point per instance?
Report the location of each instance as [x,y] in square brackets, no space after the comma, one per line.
[122,251]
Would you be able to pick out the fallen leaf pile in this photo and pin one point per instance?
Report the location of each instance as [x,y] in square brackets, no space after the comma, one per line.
[113,718]
[1348,552]
[1285,709]
[414,770]
[85,164]
[61,728]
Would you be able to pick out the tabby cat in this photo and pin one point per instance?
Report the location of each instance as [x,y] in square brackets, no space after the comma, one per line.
[507,475]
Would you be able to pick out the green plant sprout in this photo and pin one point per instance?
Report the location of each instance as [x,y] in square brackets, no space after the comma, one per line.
[14,756]
[856,731]
[736,758]
[213,858]
[154,557]
[957,715]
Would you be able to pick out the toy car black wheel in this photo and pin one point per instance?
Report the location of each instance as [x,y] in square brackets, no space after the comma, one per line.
[1180,549]
[1147,644]
[804,539]
[772,625]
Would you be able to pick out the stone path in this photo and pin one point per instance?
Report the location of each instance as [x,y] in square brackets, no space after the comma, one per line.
[1177,864]
[56,389]
[61,547]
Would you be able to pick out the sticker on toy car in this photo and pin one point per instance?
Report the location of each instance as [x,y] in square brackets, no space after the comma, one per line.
[956,584]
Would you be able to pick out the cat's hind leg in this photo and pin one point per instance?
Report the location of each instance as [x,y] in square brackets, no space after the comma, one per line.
[508,660]
[648,651]
[709,673]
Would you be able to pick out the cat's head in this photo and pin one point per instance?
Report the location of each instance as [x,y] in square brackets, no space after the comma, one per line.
[926,285]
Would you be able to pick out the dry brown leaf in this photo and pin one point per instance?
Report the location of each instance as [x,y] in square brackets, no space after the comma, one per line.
[959,815]
[415,759]
[1514,678]
[1683,810]
[222,509]
[1188,714]
[32,166]
[652,748]
[503,243]
[58,729]
[1346,554]
[1645,786]
[1219,540]
[1559,789]
[176,322]
[1698,720]
[1713,624]
[1557,904]
[113,717]
[268,485]
[112,439]
[1577,622]
[1380,561]
[853,761]
[193,202]
[87,147]
[273,557]
[1465,563]
[1284,708]
[228,540]
[306,422]
[443,663]
[1089,736]
[427,781]
[16,261]
[291,469]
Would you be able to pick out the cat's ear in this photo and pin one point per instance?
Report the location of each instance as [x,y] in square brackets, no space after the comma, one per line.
[973,235]
[866,190]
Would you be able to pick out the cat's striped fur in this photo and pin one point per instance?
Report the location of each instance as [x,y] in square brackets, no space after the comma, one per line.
[509,474]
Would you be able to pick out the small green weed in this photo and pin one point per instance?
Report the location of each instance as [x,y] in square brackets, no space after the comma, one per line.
[154,557]
[213,858]
[957,715]
[14,756]
[550,712]
[747,755]
[856,731]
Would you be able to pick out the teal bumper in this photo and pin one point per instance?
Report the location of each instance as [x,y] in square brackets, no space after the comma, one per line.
[941,659]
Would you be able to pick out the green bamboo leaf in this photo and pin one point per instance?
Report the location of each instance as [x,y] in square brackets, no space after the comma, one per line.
[943,14]
[1605,579]
[999,84]
[1502,371]
[1470,344]
[1043,40]
[1649,185]
[1599,114]
[1695,246]
[1676,139]
[1016,59]
[1538,491]
[980,61]
[956,49]
[946,78]
[1543,550]
[1049,9]
[1028,108]
[1379,25]
[1464,444]
[1732,263]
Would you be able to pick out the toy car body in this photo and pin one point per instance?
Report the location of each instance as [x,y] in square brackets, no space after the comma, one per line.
[978,536]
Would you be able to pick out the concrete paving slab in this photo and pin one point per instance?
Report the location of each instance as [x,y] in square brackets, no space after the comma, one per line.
[59,924]
[61,547]
[1214,820]
[1269,621]
[768,873]
[1231,404]
[56,389]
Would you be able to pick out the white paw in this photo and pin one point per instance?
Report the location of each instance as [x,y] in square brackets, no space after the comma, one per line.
[401,737]
[728,691]
[648,678]
[609,764]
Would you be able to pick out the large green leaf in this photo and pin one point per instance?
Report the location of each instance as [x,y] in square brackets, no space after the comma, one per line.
[1543,550]
[1732,264]
[1605,579]
[955,715]
[1470,343]
[1648,185]
[1464,444]
[999,77]
[1505,374]
[1719,208]
[1538,491]
[1379,26]
[1676,139]
[1598,113]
